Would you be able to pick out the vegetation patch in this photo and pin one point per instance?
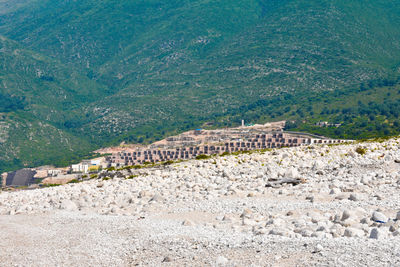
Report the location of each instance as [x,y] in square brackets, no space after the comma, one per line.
[203,156]
[49,185]
[74,181]
[361,150]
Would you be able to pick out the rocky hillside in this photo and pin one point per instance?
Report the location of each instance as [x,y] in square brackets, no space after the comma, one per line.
[334,205]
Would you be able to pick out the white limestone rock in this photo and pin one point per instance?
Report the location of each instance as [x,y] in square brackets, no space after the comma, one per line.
[278,232]
[356,197]
[353,232]
[228,218]
[187,223]
[347,214]
[379,217]
[157,198]
[318,248]
[247,213]
[366,180]
[68,205]
[248,222]
[317,165]
[335,191]
[292,173]
[221,261]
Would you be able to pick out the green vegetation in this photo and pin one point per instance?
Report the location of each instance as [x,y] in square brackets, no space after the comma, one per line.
[10,103]
[203,156]
[49,185]
[79,75]
[361,150]
[371,113]
[74,181]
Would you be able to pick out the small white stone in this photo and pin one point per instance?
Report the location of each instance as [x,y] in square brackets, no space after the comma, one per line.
[346,215]
[248,222]
[292,173]
[341,197]
[187,223]
[353,232]
[317,165]
[157,198]
[221,261]
[318,248]
[318,234]
[227,218]
[354,197]
[167,259]
[365,180]
[335,191]
[366,221]
[278,222]
[246,213]
[277,231]
[379,217]
[68,205]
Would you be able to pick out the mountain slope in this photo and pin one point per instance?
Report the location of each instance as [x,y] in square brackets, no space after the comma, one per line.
[297,48]
[39,96]
[136,70]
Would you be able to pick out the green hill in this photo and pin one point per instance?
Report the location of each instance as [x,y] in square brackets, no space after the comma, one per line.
[108,71]
[38,97]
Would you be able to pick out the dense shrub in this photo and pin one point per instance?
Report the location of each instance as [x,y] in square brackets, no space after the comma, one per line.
[361,151]
[203,156]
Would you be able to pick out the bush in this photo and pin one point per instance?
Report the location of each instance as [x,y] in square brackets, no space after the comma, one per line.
[137,167]
[361,151]
[49,185]
[202,156]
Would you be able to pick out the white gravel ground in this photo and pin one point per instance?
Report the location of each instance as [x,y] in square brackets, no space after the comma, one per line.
[218,212]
